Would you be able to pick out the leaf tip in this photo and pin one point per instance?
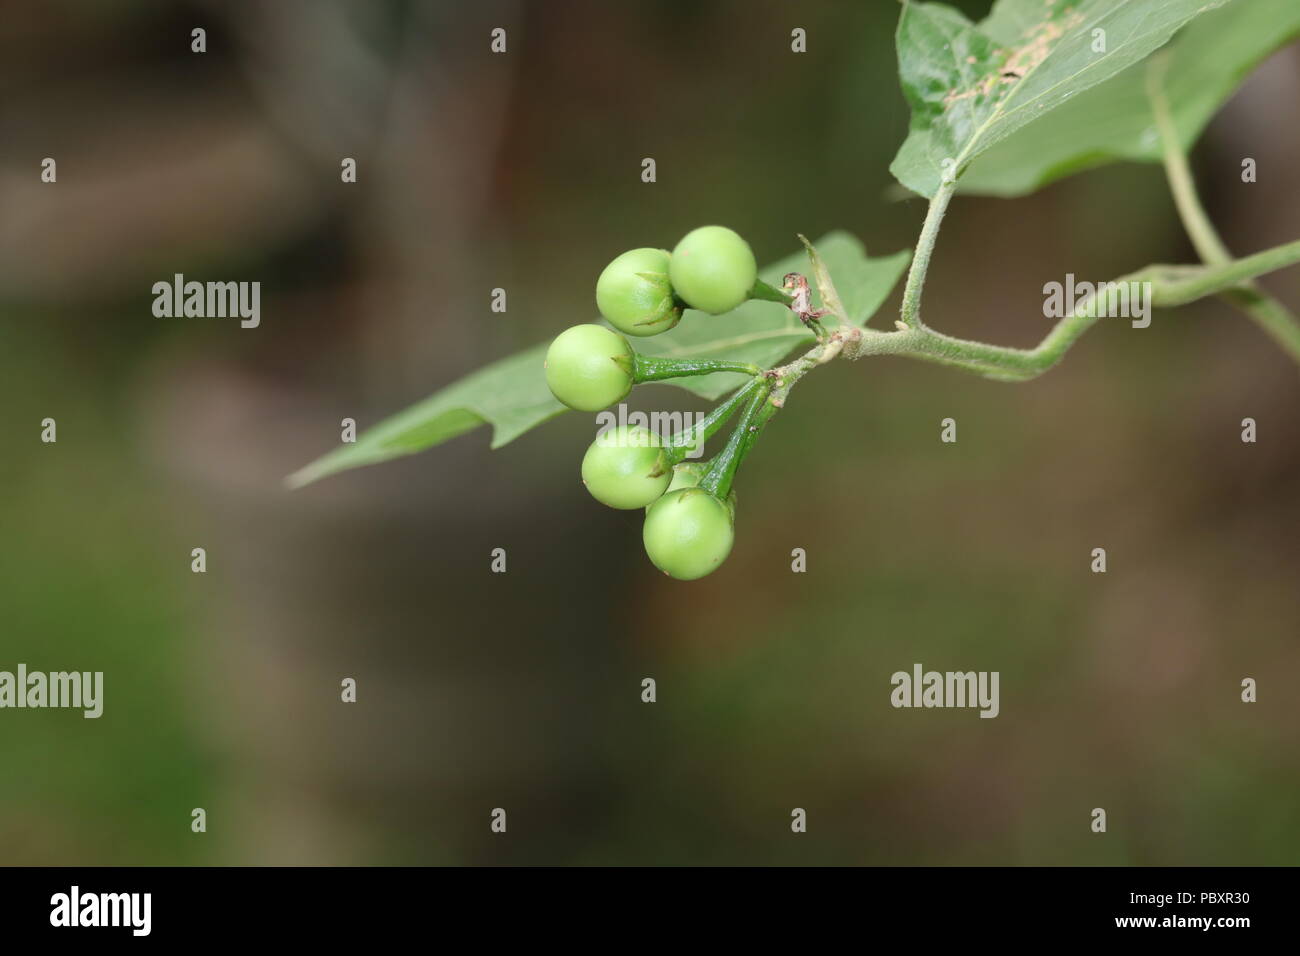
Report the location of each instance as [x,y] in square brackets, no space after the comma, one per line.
[313,472]
[301,478]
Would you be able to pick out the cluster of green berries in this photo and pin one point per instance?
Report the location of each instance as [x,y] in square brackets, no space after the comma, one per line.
[643,291]
[690,510]
[688,530]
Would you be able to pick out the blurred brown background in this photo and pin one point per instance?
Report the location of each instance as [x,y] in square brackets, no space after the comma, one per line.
[522,690]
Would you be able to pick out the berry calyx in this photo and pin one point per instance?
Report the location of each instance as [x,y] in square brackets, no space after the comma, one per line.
[687,474]
[590,367]
[688,533]
[712,269]
[626,467]
[635,294]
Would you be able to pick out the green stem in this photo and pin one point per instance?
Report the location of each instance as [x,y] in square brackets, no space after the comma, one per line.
[685,441]
[1268,312]
[721,472]
[650,368]
[766,293]
[911,310]
[1188,285]
[1203,235]
[1170,285]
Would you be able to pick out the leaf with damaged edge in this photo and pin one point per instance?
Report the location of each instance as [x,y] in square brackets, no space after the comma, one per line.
[1208,60]
[971,87]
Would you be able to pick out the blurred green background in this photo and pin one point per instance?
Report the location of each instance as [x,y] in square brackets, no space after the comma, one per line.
[522,690]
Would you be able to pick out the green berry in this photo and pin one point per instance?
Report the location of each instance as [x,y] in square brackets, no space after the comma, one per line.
[688,533]
[634,293]
[625,467]
[713,269]
[589,367]
[687,474]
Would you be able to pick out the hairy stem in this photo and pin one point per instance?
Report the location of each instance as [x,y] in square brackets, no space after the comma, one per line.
[1268,312]
[1170,285]
[911,309]
[1183,285]
[1199,228]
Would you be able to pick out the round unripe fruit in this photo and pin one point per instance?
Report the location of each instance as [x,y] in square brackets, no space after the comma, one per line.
[688,533]
[589,367]
[635,295]
[687,474]
[713,269]
[625,467]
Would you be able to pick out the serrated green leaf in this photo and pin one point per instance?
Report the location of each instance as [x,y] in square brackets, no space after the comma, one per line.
[971,87]
[1207,61]
[511,395]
